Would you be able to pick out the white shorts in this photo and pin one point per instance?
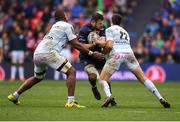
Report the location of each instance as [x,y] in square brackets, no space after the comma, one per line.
[17,57]
[116,59]
[52,59]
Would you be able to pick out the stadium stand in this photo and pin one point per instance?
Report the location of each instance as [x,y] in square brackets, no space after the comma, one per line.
[160,43]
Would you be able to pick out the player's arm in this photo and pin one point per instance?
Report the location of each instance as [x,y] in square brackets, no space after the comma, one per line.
[101,39]
[76,44]
[108,46]
[83,39]
[89,46]
[105,44]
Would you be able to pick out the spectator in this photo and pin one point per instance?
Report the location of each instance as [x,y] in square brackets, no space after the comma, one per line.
[162,38]
[5,39]
[159,42]
[152,27]
[138,51]
[166,29]
[169,59]
[17,51]
[1,50]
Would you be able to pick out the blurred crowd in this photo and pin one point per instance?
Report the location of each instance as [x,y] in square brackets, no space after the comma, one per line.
[30,20]
[160,42]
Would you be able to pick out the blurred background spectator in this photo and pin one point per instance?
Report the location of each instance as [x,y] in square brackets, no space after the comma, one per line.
[17,48]
[161,38]
[160,42]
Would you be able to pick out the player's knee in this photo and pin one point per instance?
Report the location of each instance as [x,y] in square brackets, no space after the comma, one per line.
[92,77]
[39,76]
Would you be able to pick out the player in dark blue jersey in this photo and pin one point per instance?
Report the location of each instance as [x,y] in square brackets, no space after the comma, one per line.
[92,66]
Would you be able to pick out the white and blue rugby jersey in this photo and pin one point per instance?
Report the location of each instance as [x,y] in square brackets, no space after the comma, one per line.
[120,38]
[58,36]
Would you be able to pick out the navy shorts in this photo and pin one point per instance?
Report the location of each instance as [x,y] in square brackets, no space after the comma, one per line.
[98,64]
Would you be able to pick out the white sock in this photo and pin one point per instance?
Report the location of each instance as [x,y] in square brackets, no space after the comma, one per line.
[13,71]
[106,88]
[151,87]
[70,99]
[21,72]
[16,94]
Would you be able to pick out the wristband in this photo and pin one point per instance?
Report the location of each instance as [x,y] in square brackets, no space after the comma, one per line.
[90,53]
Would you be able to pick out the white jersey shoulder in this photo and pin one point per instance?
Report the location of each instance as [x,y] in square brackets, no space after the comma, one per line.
[60,33]
[120,38]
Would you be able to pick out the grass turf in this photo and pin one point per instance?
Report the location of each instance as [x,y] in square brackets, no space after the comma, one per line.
[46,100]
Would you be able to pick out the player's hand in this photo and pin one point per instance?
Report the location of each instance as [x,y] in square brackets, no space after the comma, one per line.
[98,56]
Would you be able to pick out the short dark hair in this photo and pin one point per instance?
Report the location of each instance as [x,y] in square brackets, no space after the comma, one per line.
[97,16]
[116,19]
[59,15]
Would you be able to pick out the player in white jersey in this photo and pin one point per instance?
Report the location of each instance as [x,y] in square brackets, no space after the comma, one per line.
[118,43]
[47,53]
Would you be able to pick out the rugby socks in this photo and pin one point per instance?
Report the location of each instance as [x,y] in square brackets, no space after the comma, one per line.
[92,82]
[13,72]
[151,87]
[16,94]
[70,99]
[106,88]
[109,83]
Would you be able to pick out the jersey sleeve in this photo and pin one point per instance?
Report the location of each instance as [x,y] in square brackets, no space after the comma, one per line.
[109,35]
[70,33]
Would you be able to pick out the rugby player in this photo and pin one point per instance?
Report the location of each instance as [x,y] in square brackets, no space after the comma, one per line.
[91,65]
[118,43]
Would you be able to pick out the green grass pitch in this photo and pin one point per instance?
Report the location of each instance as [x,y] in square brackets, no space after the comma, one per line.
[46,100]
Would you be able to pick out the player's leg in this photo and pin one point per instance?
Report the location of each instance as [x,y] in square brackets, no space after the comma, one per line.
[104,77]
[61,64]
[70,72]
[39,70]
[109,68]
[93,76]
[134,66]
[109,82]
[150,86]
[25,86]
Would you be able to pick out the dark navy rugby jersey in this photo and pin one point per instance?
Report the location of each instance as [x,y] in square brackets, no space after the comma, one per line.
[83,35]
